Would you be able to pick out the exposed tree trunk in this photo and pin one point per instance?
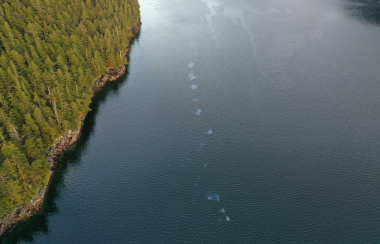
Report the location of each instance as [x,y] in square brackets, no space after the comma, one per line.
[2,178]
[56,112]
[27,161]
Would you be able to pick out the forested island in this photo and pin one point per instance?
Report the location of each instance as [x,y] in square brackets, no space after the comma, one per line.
[52,54]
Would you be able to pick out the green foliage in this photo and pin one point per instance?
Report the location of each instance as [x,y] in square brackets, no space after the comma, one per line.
[51,52]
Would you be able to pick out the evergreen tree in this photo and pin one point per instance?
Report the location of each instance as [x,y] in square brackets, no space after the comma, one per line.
[51,53]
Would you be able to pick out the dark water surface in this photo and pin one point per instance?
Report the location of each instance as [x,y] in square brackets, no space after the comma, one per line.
[240,121]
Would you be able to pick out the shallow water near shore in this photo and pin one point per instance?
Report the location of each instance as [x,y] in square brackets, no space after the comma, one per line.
[238,121]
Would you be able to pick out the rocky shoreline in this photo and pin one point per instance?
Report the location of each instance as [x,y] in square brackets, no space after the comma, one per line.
[62,144]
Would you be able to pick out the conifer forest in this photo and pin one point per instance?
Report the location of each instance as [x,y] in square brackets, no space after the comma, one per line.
[52,51]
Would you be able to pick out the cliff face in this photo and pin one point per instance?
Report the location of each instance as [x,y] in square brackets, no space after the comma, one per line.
[23,212]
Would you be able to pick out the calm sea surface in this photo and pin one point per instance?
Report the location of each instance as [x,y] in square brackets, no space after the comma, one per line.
[239,121]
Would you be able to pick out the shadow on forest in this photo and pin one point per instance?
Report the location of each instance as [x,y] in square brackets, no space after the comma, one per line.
[39,223]
[367,11]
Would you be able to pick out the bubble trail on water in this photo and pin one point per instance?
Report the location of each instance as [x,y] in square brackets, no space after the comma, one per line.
[209,131]
[213,197]
[200,147]
[192,76]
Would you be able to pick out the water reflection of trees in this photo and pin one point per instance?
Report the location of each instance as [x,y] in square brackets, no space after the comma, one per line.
[367,11]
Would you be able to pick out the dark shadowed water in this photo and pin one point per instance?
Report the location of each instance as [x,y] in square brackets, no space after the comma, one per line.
[240,121]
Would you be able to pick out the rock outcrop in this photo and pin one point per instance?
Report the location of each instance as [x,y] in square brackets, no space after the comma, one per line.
[111,75]
[23,212]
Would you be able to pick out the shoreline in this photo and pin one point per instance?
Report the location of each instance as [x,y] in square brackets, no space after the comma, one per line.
[62,144]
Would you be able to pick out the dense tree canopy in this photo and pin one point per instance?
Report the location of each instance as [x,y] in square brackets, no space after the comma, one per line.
[51,53]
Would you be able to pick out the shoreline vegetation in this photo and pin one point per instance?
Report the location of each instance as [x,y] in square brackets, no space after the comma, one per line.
[51,53]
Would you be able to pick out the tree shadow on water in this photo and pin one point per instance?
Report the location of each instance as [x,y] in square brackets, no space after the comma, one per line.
[366,11]
[38,224]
